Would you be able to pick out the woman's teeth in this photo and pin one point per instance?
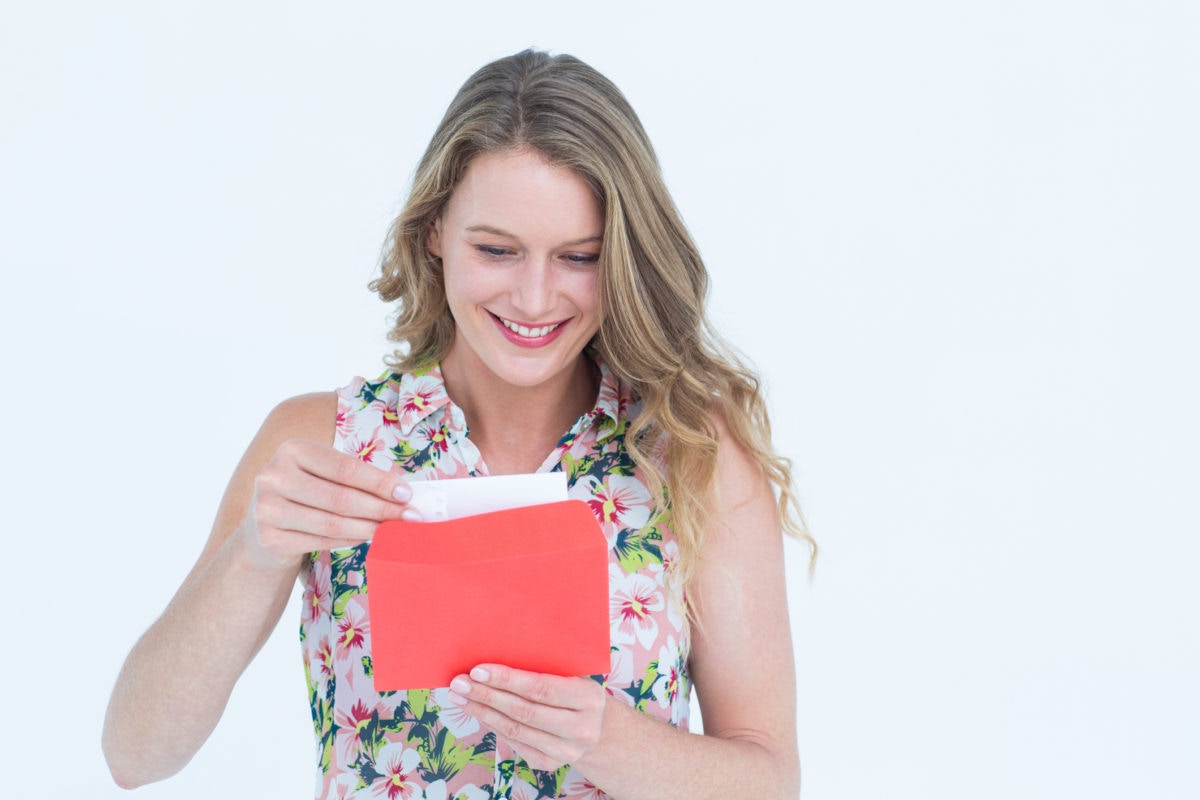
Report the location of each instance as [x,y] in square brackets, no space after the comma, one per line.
[528,333]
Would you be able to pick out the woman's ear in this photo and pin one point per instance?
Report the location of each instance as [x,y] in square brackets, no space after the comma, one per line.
[433,239]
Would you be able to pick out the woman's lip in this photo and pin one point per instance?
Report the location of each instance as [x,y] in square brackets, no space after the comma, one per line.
[516,325]
[529,341]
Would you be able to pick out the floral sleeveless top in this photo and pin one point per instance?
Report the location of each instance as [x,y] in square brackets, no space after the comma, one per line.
[416,744]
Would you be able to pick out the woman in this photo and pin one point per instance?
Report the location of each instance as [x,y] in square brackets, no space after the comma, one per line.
[545,284]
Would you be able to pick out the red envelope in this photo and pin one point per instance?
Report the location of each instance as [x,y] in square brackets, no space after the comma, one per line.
[526,587]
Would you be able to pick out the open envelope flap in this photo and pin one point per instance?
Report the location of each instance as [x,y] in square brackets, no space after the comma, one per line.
[526,587]
[511,533]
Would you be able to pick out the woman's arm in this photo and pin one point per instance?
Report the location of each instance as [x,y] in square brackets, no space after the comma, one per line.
[741,664]
[290,494]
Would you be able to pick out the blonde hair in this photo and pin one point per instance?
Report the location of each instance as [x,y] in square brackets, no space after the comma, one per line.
[653,333]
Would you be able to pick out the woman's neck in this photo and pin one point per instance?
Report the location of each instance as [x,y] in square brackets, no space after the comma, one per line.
[516,427]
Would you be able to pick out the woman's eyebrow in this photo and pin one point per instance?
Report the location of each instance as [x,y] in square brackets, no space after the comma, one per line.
[502,232]
[490,229]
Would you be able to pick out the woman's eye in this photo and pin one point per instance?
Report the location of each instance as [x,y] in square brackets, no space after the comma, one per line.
[583,258]
[492,250]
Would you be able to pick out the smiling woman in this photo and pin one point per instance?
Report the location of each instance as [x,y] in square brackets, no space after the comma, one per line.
[550,318]
[519,243]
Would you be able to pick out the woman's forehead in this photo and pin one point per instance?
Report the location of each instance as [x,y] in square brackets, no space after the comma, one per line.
[522,191]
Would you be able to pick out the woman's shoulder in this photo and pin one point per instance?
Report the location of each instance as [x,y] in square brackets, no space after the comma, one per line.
[307,416]
[316,416]
[739,475]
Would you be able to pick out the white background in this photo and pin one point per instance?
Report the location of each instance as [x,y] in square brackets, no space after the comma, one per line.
[958,239]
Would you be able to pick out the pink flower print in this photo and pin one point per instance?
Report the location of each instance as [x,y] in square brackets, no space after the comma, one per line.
[620,672]
[580,788]
[633,601]
[664,575]
[670,675]
[350,724]
[358,716]
[391,417]
[430,436]
[345,420]
[459,722]
[620,501]
[395,766]
[352,632]
[670,561]
[325,656]
[468,792]
[522,791]
[317,592]
[416,397]
[344,786]
[372,450]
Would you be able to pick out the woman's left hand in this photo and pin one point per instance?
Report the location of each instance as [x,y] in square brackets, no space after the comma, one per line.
[550,720]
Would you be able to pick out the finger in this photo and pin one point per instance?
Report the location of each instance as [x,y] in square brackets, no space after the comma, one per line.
[507,710]
[550,749]
[293,518]
[332,465]
[305,489]
[538,687]
[556,716]
[536,758]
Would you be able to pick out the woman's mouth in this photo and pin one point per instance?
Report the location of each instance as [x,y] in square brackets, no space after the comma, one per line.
[530,335]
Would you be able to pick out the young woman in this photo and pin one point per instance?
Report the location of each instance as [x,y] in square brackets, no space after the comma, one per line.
[550,318]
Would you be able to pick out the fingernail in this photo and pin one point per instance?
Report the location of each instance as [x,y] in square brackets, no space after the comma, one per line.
[412,515]
[456,698]
[402,493]
[460,685]
[481,674]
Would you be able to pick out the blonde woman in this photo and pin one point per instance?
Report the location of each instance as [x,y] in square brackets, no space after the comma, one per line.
[550,318]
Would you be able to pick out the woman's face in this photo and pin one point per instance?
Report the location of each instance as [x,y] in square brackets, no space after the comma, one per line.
[520,242]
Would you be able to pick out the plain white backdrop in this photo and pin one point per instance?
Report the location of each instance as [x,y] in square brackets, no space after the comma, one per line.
[959,240]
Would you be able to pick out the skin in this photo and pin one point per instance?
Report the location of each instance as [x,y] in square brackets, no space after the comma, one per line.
[515,240]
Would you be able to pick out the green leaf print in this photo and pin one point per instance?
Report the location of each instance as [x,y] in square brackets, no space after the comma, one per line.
[402,452]
[484,754]
[642,690]
[606,428]
[444,758]
[526,773]
[504,773]
[418,700]
[421,459]
[369,393]
[576,468]
[629,553]
[325,762]
[550,783]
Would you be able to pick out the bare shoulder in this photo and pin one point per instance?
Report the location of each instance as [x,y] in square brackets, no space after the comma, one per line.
[307,416]
[739,478]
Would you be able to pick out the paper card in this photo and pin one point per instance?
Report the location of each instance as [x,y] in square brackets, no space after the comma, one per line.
[461,497]
[526,587]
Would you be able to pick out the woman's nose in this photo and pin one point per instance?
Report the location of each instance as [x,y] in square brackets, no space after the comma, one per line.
[533,294]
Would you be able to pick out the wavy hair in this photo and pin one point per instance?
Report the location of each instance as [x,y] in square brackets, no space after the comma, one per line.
[653,332]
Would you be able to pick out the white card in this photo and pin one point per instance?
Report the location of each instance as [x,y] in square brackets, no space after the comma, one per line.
[461,497]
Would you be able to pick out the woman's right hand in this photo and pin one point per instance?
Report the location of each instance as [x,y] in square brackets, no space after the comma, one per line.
[311,497]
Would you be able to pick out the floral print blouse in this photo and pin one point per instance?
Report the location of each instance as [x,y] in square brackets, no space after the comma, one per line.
[416,744]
